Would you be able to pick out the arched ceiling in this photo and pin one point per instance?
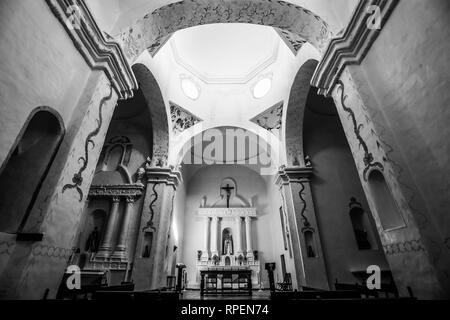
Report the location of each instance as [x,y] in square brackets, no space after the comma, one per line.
[113,15]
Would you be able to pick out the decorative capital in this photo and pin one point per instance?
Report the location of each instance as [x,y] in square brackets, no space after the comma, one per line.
[99,53]
[130,200]
[115,199]
[286,175]
[352,46]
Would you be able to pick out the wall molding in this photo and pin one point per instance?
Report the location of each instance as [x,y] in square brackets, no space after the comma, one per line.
[287,175]
[352,46]
[99,53]
[109,191]
[414,245]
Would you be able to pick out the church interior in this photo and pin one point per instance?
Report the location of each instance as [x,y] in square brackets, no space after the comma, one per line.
[214,149]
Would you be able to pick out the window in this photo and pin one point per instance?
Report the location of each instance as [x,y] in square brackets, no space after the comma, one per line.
[189,88]
[262,87]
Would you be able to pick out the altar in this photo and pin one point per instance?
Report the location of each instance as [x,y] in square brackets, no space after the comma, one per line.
[224,250]
[224,280]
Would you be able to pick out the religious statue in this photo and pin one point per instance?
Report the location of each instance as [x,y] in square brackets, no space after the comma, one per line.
[93,241]
[228,190]
[228,245]
[146,252]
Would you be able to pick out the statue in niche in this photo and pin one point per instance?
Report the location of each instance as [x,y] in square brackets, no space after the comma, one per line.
[228,244]
[311,253]
[146,252]
[362,239]
[93,241]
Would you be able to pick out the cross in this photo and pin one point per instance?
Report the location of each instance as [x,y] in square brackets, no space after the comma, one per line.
[228,190]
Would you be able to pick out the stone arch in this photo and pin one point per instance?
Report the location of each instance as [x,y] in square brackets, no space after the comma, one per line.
[160,122]
[295,113]
[268,146]
[152,29]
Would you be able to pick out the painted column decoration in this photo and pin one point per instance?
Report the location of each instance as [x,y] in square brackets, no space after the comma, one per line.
[248,237]
[158,209]
[106,245]
[295,189]
[121,248]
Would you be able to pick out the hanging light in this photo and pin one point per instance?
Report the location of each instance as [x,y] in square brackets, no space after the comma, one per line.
[262,87]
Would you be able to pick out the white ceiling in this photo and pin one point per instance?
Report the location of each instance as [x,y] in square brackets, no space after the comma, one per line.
[225,53]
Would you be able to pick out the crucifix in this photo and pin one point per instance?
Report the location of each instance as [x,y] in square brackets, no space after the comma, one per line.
[228,190]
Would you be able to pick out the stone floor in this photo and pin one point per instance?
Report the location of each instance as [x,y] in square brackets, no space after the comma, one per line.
[195,295]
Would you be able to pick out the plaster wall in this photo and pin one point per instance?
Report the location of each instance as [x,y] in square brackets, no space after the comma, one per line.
[410,95]
[334,182]
[34,46]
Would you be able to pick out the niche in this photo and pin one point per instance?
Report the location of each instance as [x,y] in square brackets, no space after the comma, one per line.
[94,228]
[227,242]
[362,227]
[147,245]
[27,167]
[386,208]
[311,251]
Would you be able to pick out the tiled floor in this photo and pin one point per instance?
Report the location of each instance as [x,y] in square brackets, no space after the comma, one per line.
[195,295]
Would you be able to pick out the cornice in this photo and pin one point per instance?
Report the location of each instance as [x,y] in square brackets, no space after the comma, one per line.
[165,175]
[227,212]
[126,190]
[99,53]
[286,175]
[352,46]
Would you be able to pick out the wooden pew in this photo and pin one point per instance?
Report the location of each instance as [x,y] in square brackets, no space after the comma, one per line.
[386,290]
[320,295]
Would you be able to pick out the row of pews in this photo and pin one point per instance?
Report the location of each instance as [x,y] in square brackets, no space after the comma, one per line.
[343,291]
[94,286]
[151,295]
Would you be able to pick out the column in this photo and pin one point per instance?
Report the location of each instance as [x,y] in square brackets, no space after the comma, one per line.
[248,237]
[106,245]
[214,226]
[121,248]
[238,236]
[205,253]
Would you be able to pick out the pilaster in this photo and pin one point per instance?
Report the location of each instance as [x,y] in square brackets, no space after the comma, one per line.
[294,183]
